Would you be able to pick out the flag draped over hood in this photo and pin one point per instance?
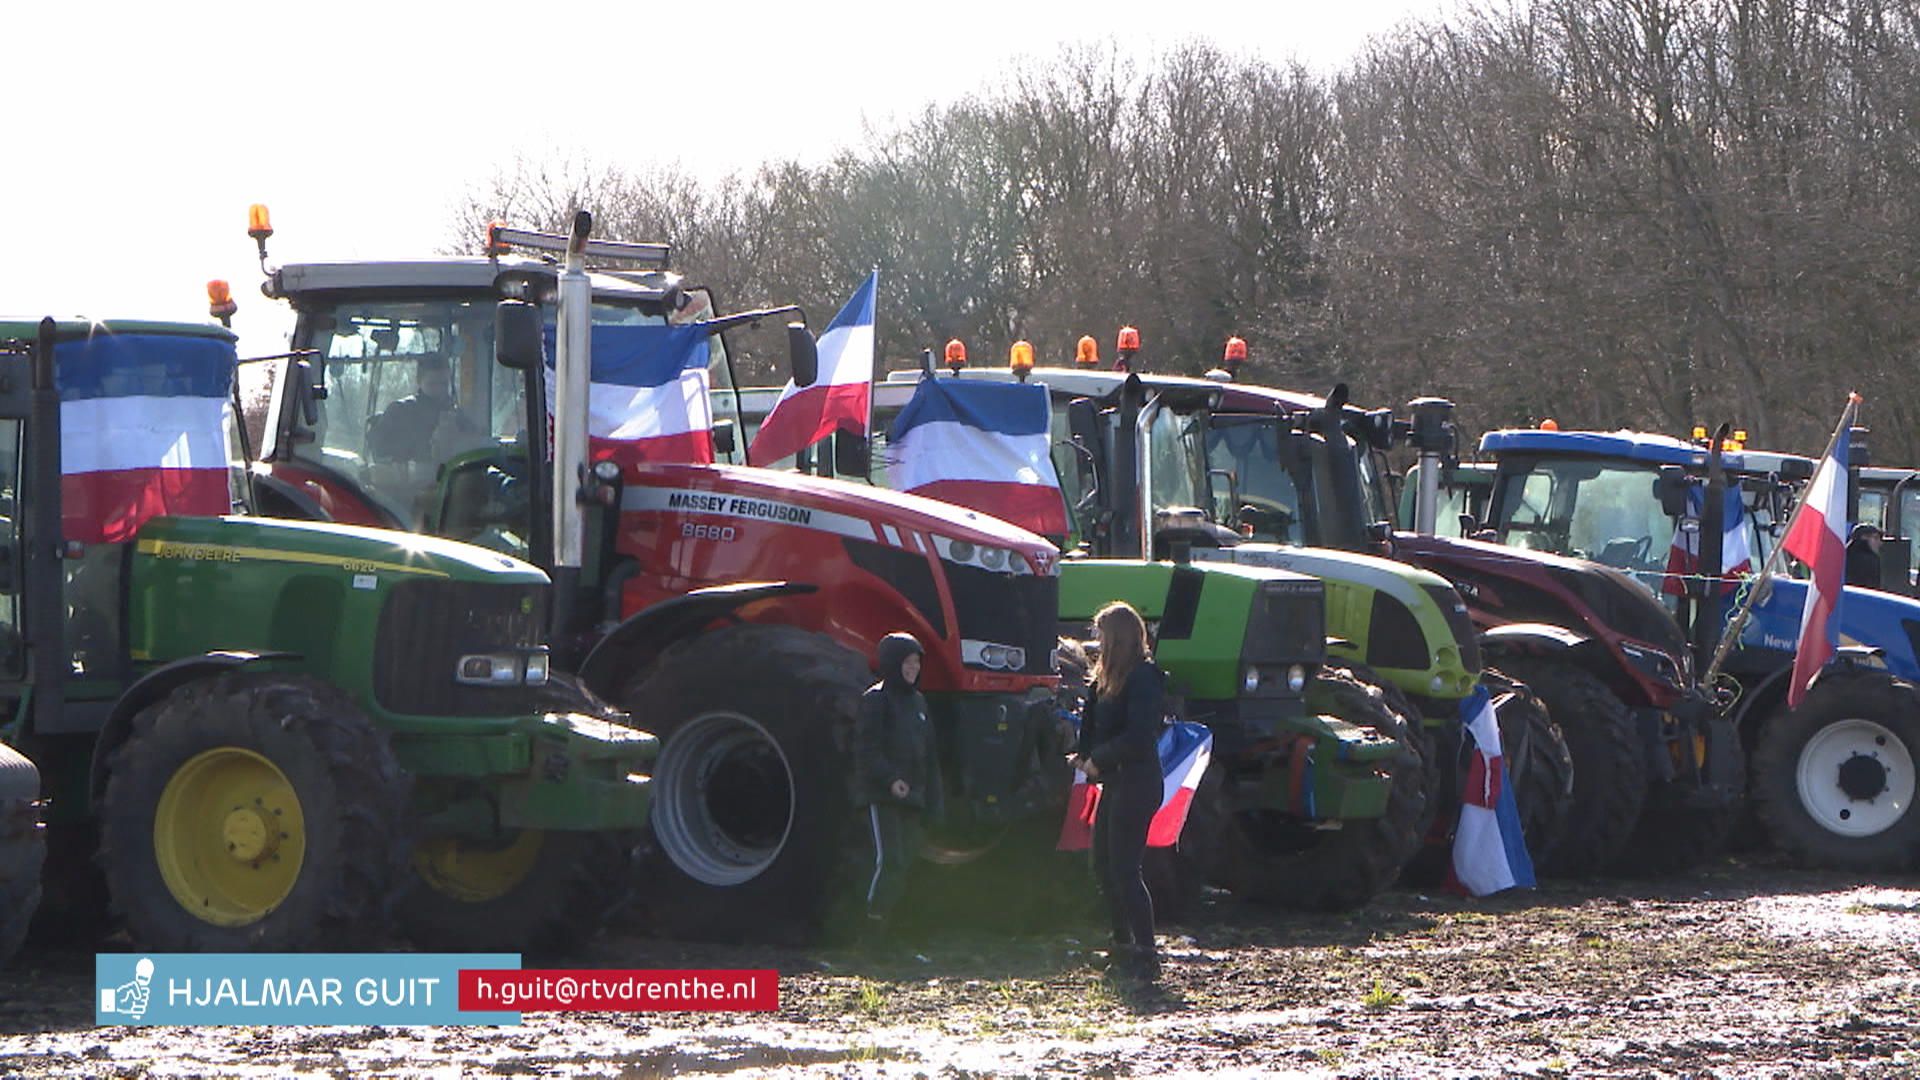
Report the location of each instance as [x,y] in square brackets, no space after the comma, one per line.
[143,430]
[981,445]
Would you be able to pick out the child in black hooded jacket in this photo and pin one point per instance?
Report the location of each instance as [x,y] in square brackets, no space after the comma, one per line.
[896,769]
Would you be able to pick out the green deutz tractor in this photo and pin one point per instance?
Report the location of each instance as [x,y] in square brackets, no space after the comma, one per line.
[270,735]
[1320,792]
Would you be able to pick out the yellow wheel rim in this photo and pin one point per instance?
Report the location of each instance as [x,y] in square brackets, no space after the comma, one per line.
[462,870]
[229,836]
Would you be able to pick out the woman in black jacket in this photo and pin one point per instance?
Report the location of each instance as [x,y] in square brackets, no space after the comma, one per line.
[1119,748]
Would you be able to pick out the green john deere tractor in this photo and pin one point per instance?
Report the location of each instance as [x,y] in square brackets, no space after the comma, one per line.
[269,735]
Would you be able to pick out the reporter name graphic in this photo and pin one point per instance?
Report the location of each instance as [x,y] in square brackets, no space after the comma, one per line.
[292,988]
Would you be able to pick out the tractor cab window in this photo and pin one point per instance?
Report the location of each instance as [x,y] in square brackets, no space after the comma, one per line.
[1603,511]
[1272,485]
[1178,458]
[412,387]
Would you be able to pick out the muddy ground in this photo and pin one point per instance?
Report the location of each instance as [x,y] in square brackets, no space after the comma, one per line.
[1747,970]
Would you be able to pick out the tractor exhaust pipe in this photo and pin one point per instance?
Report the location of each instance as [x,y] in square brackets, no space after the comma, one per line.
[1434,439]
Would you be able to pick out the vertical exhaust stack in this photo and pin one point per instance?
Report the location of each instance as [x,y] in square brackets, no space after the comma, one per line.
[1434,439]
[573,353]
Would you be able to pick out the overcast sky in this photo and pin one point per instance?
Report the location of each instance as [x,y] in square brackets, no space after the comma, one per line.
[140,133]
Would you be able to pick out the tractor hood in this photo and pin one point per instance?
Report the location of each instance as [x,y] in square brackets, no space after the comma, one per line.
[857,510]
[366,556]
[1494,579]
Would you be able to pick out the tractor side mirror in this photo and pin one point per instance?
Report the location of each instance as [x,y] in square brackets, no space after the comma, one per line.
[518,337]
[851,455]
[723,441]
[1796,471]
[803,355]
[1671,488]
[1469,525]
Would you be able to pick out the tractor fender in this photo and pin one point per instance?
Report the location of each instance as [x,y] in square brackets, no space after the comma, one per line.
[641,636]
[1531,637]
[152,687]
[1757,702]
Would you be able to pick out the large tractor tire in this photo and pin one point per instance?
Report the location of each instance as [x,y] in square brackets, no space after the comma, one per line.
[1609,765]
[538,892]
[23,848]
[1538,767]
[751,816]
[1269,859]
[254,812]
[1834,780]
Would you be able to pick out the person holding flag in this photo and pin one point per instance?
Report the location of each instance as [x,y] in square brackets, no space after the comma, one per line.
[840,398]
[1119,739]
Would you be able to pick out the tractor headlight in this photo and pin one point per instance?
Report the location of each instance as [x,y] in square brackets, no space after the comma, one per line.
[1297,678]
[488,669]
[503,669]
[1251,682]
[994,558]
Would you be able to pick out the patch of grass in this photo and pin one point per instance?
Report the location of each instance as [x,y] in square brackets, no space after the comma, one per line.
[870,1000]
[1380,998]
[1330,1057]
[1082,1032]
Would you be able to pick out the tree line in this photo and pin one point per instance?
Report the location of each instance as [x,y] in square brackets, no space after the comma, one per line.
[1615,213]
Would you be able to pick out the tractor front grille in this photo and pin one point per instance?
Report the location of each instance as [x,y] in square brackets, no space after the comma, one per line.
[427,626]
[1011,609]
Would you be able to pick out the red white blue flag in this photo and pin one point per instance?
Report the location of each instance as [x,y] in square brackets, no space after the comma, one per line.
[1818,538]
[981,445]
[840,397]
[143,431]
[1736,556]
[1489,848]
[647,398]
[1185,749]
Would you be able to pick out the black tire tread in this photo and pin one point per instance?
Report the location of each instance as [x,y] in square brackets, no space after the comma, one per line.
[368,788]
[1887,700]
[579,883]
[1344,868]
[1609,765]
[816,682]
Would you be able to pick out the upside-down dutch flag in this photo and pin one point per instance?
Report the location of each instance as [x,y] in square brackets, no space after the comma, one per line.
[1736,556]
[981,445]
[1818,538]
[1185,749]
[1489,849]
[143,431]
[647,398]
[840,396]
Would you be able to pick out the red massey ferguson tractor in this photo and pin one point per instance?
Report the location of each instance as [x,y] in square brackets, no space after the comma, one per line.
[732,610]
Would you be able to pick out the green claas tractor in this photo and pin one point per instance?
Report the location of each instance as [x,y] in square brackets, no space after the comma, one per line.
[269,735]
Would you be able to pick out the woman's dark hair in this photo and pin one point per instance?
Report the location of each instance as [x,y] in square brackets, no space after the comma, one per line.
[1123,647]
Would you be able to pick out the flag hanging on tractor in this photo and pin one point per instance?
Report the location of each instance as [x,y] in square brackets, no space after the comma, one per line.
[981,445]
[1185,749]
[1817,536]
[1683,556]
[143,431]
[647,398]
[1489,848]
[840,398]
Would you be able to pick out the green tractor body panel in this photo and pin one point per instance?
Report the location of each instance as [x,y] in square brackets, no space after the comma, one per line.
[387,617]
[1406,624]
[1212,627]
